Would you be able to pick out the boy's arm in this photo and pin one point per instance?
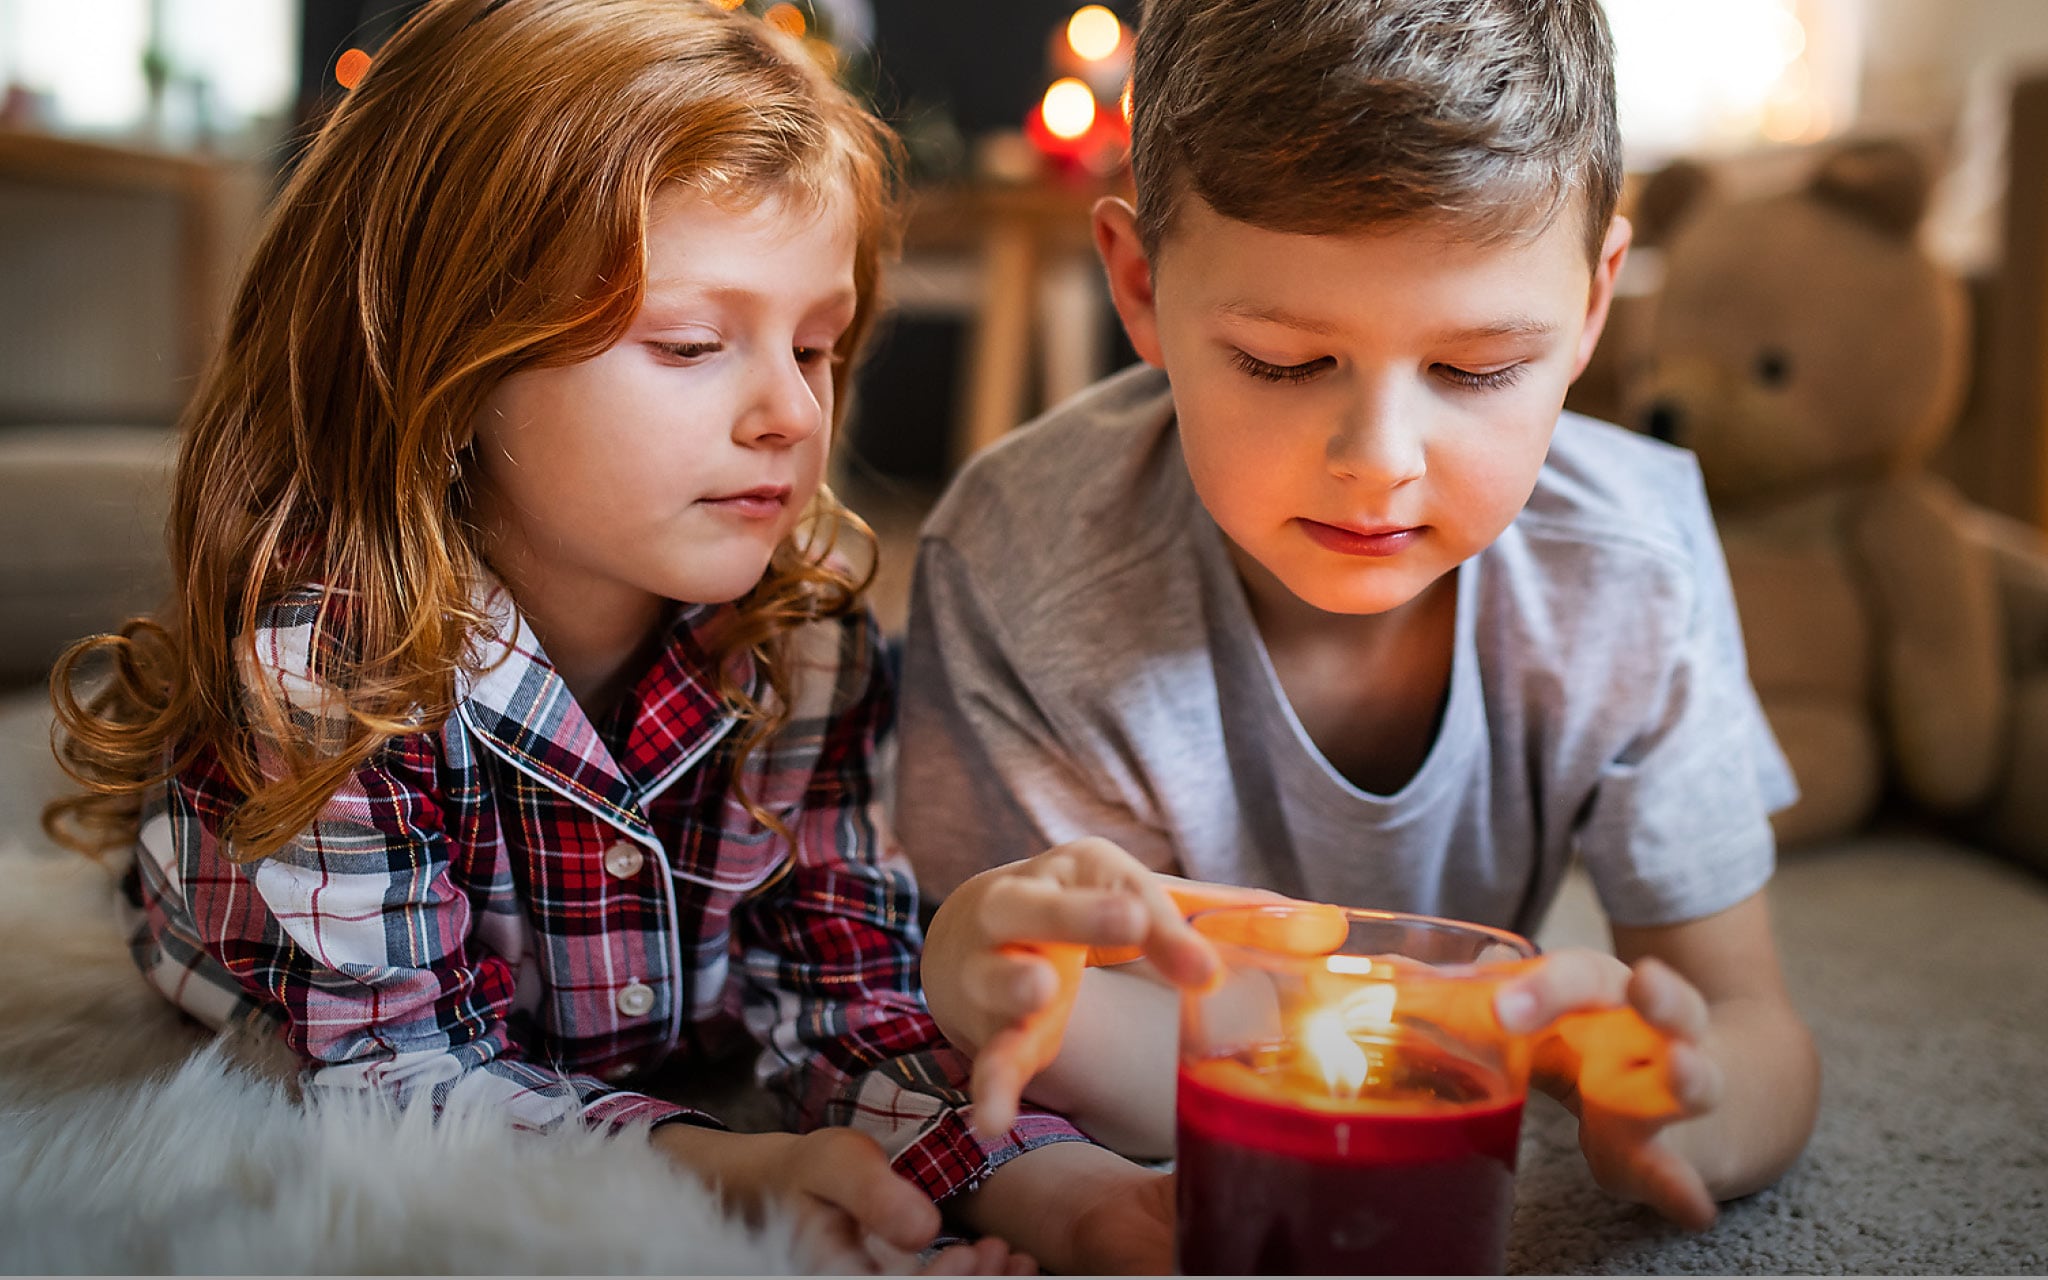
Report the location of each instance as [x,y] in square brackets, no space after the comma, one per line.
[1739,1067]
[1769,1069]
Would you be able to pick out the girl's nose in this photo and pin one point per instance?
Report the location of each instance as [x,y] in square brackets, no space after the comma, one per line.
[785,408]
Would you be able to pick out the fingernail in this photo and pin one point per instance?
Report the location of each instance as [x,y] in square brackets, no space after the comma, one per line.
[1516,1009]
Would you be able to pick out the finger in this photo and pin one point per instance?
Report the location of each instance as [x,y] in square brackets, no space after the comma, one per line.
[1671,1186]
[1696,1079]
[1011,983]
[953,1260]
[1574,978]
[1286,927]
[1624,1064]
[829,1238]
[850,1172]
[1038,909]
[1667,1001]
[997,1086]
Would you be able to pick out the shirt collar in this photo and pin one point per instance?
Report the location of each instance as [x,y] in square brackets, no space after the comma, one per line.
[520,707]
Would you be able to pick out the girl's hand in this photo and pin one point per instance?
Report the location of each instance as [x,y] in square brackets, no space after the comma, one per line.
[840,1188]
[1003,958]
[1595,1070]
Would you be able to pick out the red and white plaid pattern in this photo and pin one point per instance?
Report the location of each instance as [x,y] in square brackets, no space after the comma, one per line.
[519,906]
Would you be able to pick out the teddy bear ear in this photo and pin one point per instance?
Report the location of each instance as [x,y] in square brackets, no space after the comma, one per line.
[1668,197]
[1881,181]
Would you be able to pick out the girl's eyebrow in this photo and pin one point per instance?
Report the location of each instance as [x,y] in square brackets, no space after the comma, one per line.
[663,293]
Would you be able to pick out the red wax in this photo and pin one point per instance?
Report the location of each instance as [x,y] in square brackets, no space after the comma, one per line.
[1420,1185]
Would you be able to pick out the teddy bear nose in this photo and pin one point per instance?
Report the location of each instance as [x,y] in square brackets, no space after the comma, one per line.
[1665,421]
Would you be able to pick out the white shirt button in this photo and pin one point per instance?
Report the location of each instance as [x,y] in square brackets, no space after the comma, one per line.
[635,999]
[623,861]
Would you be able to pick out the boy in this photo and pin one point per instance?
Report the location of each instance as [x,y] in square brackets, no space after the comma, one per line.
[1329,599]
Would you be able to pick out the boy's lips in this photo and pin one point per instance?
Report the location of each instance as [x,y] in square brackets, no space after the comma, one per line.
[1356,540]
[758,503]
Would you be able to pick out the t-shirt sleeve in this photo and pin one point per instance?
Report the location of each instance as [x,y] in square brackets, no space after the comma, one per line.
[1678,826]
[986,774]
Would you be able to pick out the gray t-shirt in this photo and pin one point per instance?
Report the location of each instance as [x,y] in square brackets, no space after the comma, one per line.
[1082,660]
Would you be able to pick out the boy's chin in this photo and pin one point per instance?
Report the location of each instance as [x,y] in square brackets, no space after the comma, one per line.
[1358,592]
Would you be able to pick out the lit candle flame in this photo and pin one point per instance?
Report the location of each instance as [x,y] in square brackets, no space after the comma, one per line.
[1329,1035]
[1344,1066]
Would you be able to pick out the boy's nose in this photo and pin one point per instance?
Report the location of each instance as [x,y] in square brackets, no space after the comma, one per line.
[784,410]
[1377,443]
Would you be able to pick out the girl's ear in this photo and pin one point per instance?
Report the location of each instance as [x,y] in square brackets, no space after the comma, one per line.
[1130,276]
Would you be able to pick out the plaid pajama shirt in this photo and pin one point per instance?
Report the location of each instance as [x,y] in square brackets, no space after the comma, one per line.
[508,909]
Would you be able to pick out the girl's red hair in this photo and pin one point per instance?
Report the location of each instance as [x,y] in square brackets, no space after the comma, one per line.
[475,206]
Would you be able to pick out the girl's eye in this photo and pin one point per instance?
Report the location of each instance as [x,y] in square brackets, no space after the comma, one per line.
[1265,372]
[808,356]
[689,350]
[1491,380]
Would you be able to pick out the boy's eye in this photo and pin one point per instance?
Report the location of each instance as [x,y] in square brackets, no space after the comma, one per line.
[1265,372]
[688,350]
[1489,380]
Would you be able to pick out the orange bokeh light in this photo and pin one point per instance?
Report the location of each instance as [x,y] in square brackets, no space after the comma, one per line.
[728,5]
[786,18]
[351,67]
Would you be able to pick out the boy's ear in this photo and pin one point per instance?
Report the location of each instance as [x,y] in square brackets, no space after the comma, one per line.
[1600,297]
[1130,276]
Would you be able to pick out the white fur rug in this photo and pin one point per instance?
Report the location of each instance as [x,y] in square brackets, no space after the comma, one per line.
[129,1144]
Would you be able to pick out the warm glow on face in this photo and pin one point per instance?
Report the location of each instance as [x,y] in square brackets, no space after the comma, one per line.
[786,18]
[1069,108]
[1124,102]
[1094,33]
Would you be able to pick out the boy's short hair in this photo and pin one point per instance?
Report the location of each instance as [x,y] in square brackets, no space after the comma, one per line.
[1326,116]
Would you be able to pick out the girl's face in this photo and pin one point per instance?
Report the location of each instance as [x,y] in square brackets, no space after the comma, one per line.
[669,466]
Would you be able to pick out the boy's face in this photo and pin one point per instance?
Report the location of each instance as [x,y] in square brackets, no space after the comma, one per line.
[1360,412]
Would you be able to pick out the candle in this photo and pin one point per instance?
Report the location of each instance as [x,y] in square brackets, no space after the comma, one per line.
[1347,1104]
[1413,1175]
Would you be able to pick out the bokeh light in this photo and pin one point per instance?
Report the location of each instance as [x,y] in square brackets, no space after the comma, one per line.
[1069,108]
[351,67]
[786,18]
[1094,33]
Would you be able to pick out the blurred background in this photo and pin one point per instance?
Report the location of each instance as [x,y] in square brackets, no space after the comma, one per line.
[140,140]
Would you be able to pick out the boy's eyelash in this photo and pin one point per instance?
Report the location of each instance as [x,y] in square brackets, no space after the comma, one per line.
[1265,372]
[1492,380]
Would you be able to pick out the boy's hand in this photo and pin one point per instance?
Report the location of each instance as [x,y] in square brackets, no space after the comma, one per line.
[1003,958]
[840,1188]
[1594,1065]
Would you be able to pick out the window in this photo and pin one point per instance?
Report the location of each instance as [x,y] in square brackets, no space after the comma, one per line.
[177,73]
[1716,75]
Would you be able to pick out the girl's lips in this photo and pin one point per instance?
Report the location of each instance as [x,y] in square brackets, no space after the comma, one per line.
[1348,541]
[760,503]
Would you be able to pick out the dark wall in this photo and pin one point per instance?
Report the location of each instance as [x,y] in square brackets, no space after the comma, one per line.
[982,60]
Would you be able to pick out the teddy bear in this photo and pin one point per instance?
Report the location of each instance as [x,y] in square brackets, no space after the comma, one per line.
[1813,357]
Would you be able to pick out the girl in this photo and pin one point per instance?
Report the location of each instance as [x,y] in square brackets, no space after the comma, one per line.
[509,729]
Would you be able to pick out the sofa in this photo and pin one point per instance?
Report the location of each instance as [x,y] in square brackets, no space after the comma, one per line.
[129,1141]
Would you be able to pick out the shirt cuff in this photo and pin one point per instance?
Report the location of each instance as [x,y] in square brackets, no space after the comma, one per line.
[612,1112]
[947,1158]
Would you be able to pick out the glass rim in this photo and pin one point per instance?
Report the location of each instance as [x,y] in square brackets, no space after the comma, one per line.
[1524,948]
